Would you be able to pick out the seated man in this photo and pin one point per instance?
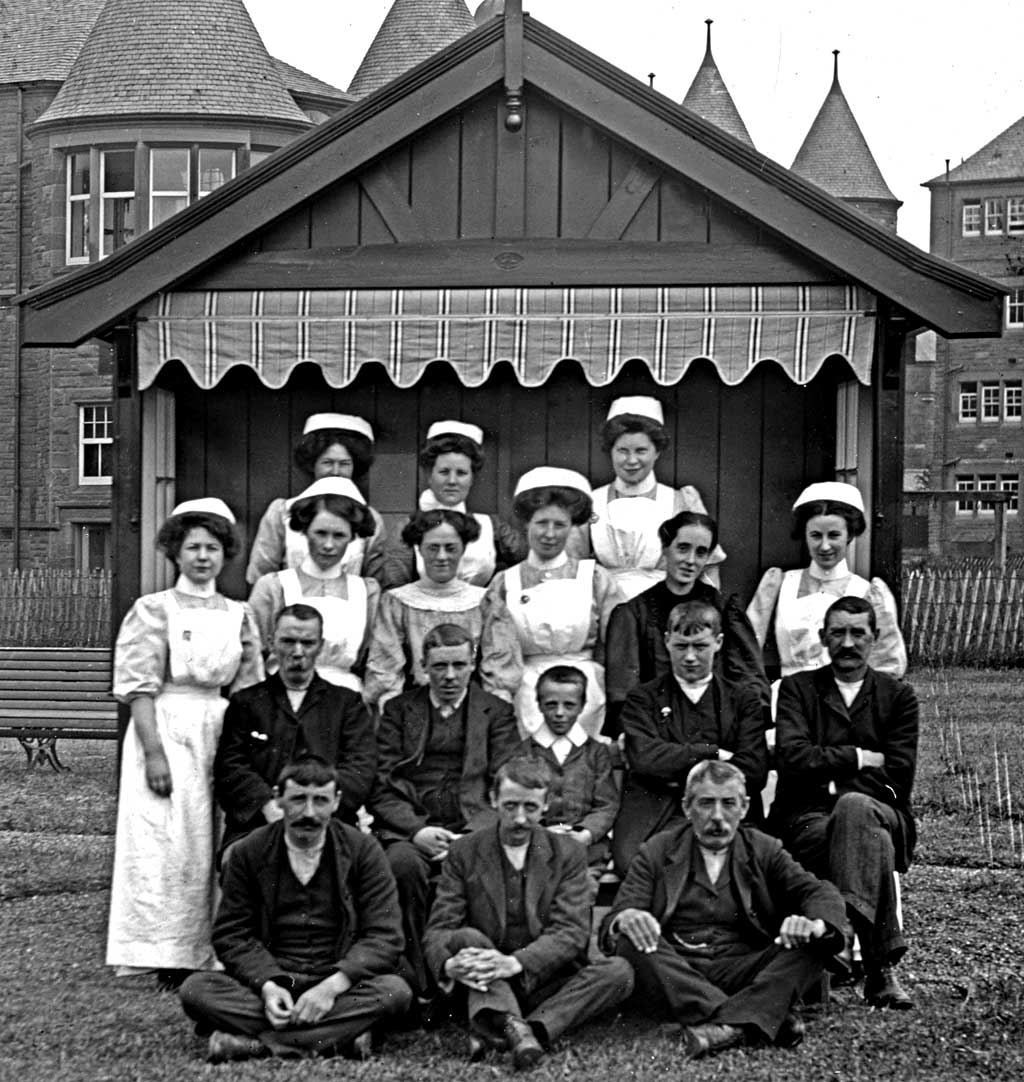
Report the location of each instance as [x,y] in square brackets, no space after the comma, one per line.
[674,722]
[721,925]
[308,932]
[439,747]
[847,750]
[584,797]
[511,924]
[293,713]
[635,641]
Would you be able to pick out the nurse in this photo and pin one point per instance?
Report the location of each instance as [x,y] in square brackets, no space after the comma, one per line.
[332,445]
[627,512]
[827,516]
[332,516]
[560,604]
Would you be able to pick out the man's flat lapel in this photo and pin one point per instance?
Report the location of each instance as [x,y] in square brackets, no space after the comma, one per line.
[541,877]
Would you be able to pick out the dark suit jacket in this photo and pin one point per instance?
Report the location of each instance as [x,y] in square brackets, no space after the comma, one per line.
[370,936]
[770,886]
[659,763]
[259,738]
[491,737]
[471,893]
[818,739]
[636,652]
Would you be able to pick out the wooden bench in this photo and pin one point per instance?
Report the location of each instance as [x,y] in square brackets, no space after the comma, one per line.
[51,693]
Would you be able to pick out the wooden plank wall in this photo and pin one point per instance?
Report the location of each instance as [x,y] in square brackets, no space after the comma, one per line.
[749,449]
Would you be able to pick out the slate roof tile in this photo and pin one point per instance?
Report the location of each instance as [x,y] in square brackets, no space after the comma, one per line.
[300,82]
[1000,159]
[709,97]
[39,39]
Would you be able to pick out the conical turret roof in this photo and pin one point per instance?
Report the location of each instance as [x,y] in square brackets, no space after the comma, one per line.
[177,57]
[412,31]
[835,155]
[709,97]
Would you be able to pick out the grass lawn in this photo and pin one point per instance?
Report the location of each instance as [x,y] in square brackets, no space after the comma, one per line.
[64,1017]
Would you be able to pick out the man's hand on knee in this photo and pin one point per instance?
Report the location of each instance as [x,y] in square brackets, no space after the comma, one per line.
[796,931]
[315,1002]
[639,927]
[277,1004]
[434,841]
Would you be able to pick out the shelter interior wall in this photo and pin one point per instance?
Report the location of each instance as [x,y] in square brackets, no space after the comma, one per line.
[748,449]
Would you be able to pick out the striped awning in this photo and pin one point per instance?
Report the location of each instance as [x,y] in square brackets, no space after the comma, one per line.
[735,327]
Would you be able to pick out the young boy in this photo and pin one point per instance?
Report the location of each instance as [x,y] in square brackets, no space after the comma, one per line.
[584,798]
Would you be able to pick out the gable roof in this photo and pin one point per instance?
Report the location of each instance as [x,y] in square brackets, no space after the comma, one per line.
[709,97]
[933,291]
[412,31]
[835,155]
[39,39]
[1000,159]
[178,57]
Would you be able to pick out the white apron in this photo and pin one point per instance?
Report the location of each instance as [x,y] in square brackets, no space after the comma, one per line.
[799,619]
[553,623]
[162,893]
[625,536]
[480,558]
[296,547]
[344,626]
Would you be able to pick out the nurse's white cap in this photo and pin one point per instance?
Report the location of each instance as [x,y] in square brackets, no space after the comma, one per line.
[331,486]
[347,422]
[552,477]
[834,491]
[456,428]
[208,505]
[640,405]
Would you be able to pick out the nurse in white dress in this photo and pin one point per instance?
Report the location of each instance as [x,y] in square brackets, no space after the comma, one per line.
[176,652]
[560,604]
[827,516]
[332,445]
[332,515]
[627,512]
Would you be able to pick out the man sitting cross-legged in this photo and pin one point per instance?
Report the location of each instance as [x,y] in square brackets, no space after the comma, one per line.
[308,931]
[723,928]
[510,926]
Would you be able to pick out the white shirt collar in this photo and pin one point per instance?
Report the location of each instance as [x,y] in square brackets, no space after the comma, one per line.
[840,571]
[577,736]
[547,565]
[451,707]
[695,691]
[314,571]
[641,488]
[430,502]
[185,585]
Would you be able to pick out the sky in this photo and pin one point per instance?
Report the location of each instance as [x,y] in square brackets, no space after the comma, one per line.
[926,81]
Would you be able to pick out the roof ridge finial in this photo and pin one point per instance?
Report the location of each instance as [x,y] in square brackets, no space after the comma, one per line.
[707,50]
[835,67]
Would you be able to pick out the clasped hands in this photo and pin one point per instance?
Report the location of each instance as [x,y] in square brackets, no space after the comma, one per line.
[479,967]
[434,841]
[281,1010]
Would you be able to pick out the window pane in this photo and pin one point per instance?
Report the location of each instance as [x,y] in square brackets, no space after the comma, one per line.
[990,401]
[216,167]
[1015,308]
[1010,482]
[1015,214]
[993,216]
[78,240]
[118,223]
[964,483]
[968,401]
[169,169]
[164,206]
[972,219]
[1013,400]
[78,174]
[119,171]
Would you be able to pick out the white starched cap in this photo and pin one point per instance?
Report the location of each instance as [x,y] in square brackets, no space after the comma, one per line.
[346,422]
[208,505]
[331,486]
[552,477]
[834,491]
[456,428]
[640,405]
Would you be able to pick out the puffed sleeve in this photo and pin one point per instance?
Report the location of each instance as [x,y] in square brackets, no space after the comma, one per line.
[501,658]
[250,671]
[140,653]
[267,553]
[889,654]
[386,660]
[689,499]
[376,549]
[607,596]
[509,543]
[266,601]
[762,604]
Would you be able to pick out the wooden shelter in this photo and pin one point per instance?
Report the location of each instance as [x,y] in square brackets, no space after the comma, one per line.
[514,233]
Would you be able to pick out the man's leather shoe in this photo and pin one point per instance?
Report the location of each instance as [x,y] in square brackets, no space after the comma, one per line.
[224,1047]
[792,1030]
[882,989]
[526,1049]
[711,1037]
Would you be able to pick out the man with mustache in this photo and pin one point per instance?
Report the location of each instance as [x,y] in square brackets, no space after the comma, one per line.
[847,751]
[308,931]
[723,929]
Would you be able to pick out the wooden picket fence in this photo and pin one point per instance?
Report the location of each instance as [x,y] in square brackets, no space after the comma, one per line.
[967,612]
[50,607]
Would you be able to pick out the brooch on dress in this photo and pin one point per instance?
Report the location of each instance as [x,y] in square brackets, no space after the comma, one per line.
[666,711]
[259,736]
[523,599]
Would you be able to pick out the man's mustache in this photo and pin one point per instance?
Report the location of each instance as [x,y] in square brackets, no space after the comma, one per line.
[306,822]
